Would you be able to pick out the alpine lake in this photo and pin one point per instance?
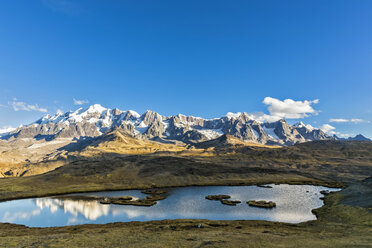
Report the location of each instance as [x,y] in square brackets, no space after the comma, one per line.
[293,204]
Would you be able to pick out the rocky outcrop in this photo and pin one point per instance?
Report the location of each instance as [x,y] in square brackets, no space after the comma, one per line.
[282,131]
[155,129]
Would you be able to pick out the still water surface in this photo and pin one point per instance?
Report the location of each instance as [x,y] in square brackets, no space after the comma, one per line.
[293,205]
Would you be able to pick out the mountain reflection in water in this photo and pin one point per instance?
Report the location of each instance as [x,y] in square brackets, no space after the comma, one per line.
[91,210]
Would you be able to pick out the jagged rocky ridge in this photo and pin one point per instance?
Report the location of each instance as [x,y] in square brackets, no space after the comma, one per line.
[96,120]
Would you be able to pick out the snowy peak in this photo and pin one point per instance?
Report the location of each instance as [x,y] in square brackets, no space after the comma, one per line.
[97,120]
[231,115]
[133,113]
[302,125]
[95,108]
[92,114]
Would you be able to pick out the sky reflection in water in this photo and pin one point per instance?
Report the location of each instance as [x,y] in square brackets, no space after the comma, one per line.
[294,205]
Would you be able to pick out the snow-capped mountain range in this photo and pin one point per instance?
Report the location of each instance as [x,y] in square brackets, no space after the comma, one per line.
[96,120]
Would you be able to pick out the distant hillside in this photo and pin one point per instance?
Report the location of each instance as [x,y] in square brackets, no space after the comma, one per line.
[358,137]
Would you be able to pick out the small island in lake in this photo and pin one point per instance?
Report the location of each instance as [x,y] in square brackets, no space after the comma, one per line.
[264,186]
[217,197]
[115,200]
[230,203]
[222,199]
[262,204]
[150,200]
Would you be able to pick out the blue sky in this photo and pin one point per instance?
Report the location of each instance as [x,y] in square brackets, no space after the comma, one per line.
[201,58]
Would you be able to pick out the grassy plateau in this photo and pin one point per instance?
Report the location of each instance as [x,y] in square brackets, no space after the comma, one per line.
[344,221]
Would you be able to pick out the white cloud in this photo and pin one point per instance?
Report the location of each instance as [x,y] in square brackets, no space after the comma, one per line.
[12,217]
[17,106]
[338,120]
[331,130]
[343,135]
[262,117]
[356,121]
[289,108]
[6,129]
[328,128]
[80,102]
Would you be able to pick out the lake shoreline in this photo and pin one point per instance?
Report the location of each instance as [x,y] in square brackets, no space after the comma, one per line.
[324,184]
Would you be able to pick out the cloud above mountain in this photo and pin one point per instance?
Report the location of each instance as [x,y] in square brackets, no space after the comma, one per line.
[328,128]
[356,121]
[6,129]
[19,106]
[80,102]
[332,131]
[288,108]
[262,117]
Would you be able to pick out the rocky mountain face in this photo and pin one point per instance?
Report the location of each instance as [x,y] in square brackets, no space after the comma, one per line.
[97,120]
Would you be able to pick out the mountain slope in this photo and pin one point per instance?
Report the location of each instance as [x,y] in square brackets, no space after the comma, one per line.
[121,143]
[228,141]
